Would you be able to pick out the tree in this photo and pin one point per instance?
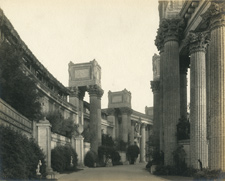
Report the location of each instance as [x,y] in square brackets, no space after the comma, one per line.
[17,88]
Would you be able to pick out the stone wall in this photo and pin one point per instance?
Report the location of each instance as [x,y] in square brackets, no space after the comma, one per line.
[10,117]
[57,140]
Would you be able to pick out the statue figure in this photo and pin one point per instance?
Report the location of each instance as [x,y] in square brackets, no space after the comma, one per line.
[38,168]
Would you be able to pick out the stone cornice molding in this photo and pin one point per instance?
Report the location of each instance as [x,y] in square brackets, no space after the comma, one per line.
[155,86]
[197,41]
[215,14]
[169,30]
[111,111]
[95,90]
[126,110]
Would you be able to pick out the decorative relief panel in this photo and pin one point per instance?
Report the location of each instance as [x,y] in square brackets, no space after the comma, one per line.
[81,73]
[117,99]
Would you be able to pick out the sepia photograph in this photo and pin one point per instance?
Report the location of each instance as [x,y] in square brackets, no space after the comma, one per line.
[112,90]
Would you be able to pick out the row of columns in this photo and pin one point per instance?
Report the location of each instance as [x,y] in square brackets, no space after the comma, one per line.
[128,128]
[207,106]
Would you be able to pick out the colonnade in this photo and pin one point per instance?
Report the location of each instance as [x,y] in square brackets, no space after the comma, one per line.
[207,100]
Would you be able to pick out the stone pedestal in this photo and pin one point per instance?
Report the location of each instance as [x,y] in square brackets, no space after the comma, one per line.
[78,145]
[156,114]
[216,118]
[143,143]
[95,93]
[44,141]
[198,139]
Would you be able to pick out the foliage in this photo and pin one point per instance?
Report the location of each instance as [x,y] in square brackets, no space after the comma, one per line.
[17,88]
[132,153]
[121,145]
[183,129]
[86,134]
[19,156]
[90,159]
[60,125]
[158,158]
[207,174]
[107,151]
[179,159]
[62,157]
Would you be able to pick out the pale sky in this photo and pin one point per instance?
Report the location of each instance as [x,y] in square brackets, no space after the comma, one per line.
[118,34]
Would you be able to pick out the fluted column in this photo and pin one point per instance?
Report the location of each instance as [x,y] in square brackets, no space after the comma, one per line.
[156,114]
[95,93]
[198,139]
[74,100]
[143,143]
[125,111]
[216,97]
[132,133]
[169,35]
[161,130]
[111,118]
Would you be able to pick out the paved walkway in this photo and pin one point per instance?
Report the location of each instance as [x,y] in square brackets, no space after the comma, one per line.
[119,173]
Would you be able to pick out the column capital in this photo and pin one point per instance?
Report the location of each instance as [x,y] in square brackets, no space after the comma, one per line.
[143,125]
[197,41]
[95,90]
[126,110]
[215,14]
[111,111]
[169,29]
[74,91]
[155,86]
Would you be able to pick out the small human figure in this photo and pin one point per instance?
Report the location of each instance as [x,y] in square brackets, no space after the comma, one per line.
[200,164]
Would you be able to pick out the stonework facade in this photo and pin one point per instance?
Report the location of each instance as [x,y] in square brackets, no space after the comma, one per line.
[191,35]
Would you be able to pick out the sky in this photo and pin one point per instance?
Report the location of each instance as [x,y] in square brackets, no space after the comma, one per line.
[118,34]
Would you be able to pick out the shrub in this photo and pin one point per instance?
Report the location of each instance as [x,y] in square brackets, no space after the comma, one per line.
[62,157]
[19,156]
[132,153]
[207,174]
[90,159]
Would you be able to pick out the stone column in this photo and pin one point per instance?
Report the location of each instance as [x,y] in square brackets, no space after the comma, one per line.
[132,132]
[95,93]
[74,100]
[183,90]
[216,119]
[81,106]
[143,143]
[125,111]
[169,34]
[111,118]
[156,114]
[161,130]
[198,140]
[44,141]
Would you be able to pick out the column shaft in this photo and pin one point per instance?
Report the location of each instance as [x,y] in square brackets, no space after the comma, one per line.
[198,140]
[183,93]
[143,143]
[216,95]
[125,127]
[171,98]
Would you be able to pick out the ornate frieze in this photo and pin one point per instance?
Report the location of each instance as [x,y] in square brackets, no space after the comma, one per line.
[95,90]
[215,14]
[169,29]
[155,86]
[197,41]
